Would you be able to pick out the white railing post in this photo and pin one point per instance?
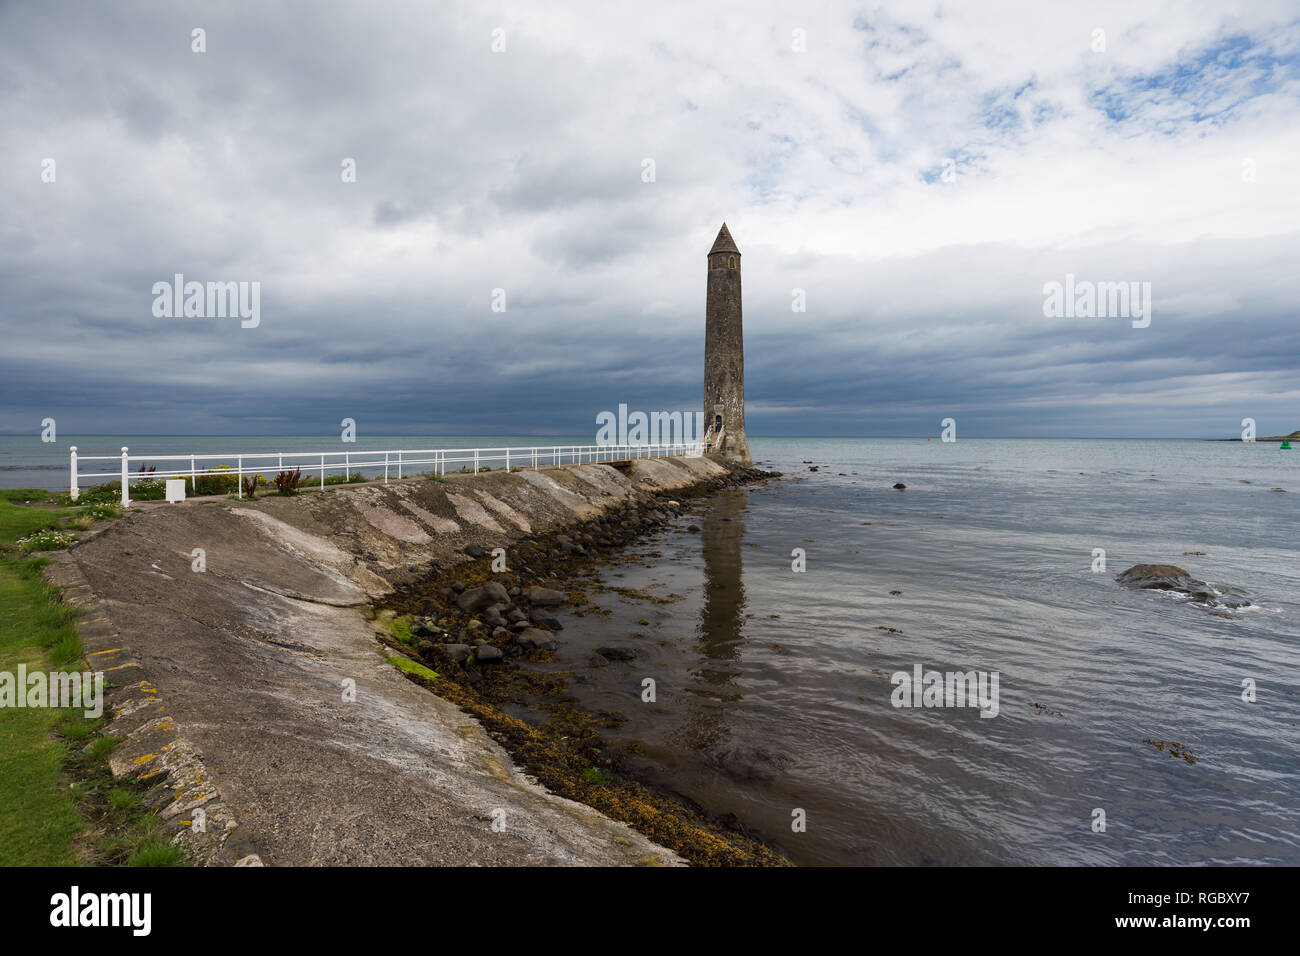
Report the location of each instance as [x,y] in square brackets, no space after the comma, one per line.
[385,467]
[322,472]
[239,461]
[73,491]
[399,463]
[347,468]
[476,461]
[126,481]
[507,461]
[194,478]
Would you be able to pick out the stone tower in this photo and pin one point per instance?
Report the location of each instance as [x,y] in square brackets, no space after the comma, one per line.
[724,353]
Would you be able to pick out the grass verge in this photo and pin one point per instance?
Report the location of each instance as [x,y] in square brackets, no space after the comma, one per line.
[59,804]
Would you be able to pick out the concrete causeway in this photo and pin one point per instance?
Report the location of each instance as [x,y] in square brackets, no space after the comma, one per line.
[230,681]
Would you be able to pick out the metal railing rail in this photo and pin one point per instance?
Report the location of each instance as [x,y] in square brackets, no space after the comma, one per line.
[396,463]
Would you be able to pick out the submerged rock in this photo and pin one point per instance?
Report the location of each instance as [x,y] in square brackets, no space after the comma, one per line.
[546,619]
[1170,577]
[900,486]
[748,763]
[617,653]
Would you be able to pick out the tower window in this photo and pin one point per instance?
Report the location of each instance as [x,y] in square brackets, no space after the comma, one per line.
[731,262]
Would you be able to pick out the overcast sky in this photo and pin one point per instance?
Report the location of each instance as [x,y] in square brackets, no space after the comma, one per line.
[920,170]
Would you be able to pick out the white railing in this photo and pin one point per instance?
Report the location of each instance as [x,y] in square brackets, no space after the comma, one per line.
[396,463]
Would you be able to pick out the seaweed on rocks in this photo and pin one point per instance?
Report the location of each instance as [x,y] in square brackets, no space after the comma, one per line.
[480,625]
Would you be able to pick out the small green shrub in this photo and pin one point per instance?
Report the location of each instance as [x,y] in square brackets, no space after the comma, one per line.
[120,799]
[287,482]
[218,480]
[48,540]
[105,511]
[148,489]
[103,746]
[157,853]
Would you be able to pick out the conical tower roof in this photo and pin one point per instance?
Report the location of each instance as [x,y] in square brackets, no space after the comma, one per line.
[724,242]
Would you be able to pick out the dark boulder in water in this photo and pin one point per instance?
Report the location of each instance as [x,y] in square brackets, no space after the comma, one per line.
[748,763]
[1170,577]
[899,486]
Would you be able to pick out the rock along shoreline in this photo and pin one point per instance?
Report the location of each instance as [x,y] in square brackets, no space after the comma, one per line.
[474,626]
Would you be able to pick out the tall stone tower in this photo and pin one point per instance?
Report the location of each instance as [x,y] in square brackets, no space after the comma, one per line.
[724,353]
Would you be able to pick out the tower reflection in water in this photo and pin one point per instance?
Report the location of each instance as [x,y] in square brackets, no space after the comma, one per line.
[720,637]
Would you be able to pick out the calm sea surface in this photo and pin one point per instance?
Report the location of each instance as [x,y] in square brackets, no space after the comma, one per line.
[773,687]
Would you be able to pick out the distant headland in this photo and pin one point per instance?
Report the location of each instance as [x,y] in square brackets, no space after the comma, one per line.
[1294,436]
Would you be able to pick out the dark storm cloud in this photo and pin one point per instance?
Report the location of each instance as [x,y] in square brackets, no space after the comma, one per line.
[525,171]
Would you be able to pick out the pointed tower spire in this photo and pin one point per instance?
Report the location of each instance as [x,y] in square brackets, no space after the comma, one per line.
[724,242]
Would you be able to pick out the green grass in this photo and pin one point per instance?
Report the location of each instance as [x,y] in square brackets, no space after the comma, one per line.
[51,784]
[39,819]
[157,853]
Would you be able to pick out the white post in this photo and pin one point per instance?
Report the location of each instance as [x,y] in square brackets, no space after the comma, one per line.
[399,464]
[476,461]
[322,472]
[385,467]
[126,481]
[507,461]
[74,492]
[194,481]
[347,468]
[239,462]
